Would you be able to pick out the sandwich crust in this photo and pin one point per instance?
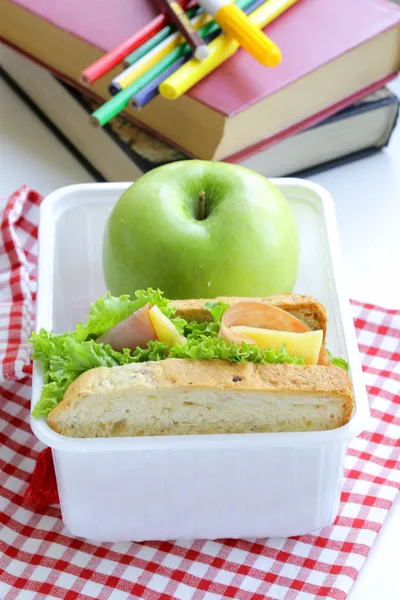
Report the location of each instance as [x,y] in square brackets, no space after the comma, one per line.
[185,382]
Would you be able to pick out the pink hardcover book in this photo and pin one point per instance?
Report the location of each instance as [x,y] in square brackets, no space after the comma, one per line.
[310,33]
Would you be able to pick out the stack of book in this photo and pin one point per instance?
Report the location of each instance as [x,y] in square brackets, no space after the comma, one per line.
[324,104]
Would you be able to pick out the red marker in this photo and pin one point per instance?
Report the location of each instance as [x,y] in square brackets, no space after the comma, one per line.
[117,55]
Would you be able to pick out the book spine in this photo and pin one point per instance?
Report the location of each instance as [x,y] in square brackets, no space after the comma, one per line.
[309,122]
[386,141]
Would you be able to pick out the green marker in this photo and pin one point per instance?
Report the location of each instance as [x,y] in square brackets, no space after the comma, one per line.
[155,40]
[120,101]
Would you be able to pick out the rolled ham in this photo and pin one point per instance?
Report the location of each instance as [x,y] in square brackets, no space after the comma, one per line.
[135,331]
[264,316]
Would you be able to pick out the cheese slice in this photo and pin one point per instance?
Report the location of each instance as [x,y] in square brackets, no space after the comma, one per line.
[307,344]
[166,331]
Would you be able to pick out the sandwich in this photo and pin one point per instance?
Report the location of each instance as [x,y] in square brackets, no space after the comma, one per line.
[147,366]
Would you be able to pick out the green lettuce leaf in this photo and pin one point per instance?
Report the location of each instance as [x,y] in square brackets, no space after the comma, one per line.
[217,310]
[49,398]
[338,362]
[68,359]
[106,312]
[195,330]
[46,344]
[155,351]
[179,323]
[207,347]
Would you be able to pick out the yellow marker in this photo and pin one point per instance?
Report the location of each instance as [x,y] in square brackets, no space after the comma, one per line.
[222,48]
[153,57]
[234,22]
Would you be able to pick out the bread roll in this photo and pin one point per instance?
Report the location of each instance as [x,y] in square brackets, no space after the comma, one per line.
[184,396]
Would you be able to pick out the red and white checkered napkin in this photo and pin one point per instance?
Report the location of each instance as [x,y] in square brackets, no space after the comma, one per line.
[40,557]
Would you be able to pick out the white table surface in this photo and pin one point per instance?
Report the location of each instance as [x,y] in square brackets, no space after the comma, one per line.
[367,199]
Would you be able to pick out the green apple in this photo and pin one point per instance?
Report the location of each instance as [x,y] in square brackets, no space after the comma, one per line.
[200,229]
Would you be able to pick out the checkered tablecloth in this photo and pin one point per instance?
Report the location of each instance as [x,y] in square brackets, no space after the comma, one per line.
[39,559]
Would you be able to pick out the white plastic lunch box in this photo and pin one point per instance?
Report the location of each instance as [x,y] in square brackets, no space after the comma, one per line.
[206,486]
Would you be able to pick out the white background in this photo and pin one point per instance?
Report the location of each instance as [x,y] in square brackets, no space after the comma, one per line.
[367,199]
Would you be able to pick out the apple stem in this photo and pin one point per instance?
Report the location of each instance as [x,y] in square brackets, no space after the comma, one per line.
[202,203]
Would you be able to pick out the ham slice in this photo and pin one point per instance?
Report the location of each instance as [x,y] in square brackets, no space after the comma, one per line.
[264,316]
[136,330]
